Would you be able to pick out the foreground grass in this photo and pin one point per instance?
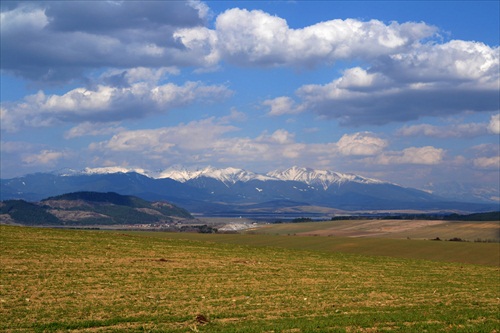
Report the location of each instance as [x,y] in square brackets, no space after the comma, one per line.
[66,280]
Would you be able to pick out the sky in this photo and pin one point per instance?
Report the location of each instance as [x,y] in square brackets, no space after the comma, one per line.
[402,91]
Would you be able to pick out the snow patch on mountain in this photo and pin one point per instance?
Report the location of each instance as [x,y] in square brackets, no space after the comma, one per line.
[107,170]
[228,175]
[324,178]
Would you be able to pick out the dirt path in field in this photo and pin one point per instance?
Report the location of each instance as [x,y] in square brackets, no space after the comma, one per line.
[371,228]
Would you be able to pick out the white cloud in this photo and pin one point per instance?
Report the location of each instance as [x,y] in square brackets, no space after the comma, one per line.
[282,105]
[457,130]
[426,80]
[494,125]
[212,140]
[202,9]
[487,156]
[196,135]
[280,136]
[450,131]
[256,38]
[234,115]
[23,18]
[487,162]
[359,79]
[202,45]
[52,40]
[91,129]
[15,147]
[457,62]
[205,141]
[45,157]
[413,155]
[361,144]
[106,103]
[126,77]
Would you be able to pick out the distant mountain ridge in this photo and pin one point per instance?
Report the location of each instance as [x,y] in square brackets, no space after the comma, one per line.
[227,175]
[230,175]
[211,191]
[324,178]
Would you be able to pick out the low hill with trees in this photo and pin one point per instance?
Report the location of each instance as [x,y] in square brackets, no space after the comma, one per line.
[91,208]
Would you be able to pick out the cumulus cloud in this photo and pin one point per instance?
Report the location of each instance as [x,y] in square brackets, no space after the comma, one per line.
[191,136]
[234,115]
[487,162]
[282,105]
[457,62]
[404,79]
[201,140]
[494,125]
[217,143]
[214,140]
[486,156]
[450,131]
[126,77]
[106,103]
[15,146]
[404,76]
[256,38]
[53,40]
[280,136]
[361,144]
[462,130]
[91,129]
[197,141]
[413,155]
[32,156]
[396,89]
[45,157]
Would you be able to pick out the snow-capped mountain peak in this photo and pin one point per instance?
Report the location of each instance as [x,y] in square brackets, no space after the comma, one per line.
[325,178]
[104,170]
[250,193]
[100,171]
[226,175]
[230,175]
[179,174]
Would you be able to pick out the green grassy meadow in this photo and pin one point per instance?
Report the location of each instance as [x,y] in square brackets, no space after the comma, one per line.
[55,280]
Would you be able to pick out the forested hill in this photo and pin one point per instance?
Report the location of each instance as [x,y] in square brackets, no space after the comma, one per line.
[91,208]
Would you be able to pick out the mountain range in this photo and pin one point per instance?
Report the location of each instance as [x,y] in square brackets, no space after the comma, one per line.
[231,191]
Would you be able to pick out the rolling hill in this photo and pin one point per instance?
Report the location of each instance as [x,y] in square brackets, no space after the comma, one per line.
[91,208]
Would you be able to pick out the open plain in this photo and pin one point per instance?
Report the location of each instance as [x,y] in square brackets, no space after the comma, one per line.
[55,280]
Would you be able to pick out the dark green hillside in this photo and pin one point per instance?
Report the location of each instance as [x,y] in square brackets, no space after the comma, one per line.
[489,216]
[93,208]
[27,213]
[99,197]
[111,198]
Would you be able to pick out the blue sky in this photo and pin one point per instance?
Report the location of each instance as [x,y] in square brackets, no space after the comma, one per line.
[403,91]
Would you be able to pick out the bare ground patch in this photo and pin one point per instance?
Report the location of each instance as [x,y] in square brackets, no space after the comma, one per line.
[371,228]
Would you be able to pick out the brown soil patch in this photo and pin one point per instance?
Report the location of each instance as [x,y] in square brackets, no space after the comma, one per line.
[371,228]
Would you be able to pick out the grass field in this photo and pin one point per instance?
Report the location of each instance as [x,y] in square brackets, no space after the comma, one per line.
[458,252]
[94,281]
[402,229]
